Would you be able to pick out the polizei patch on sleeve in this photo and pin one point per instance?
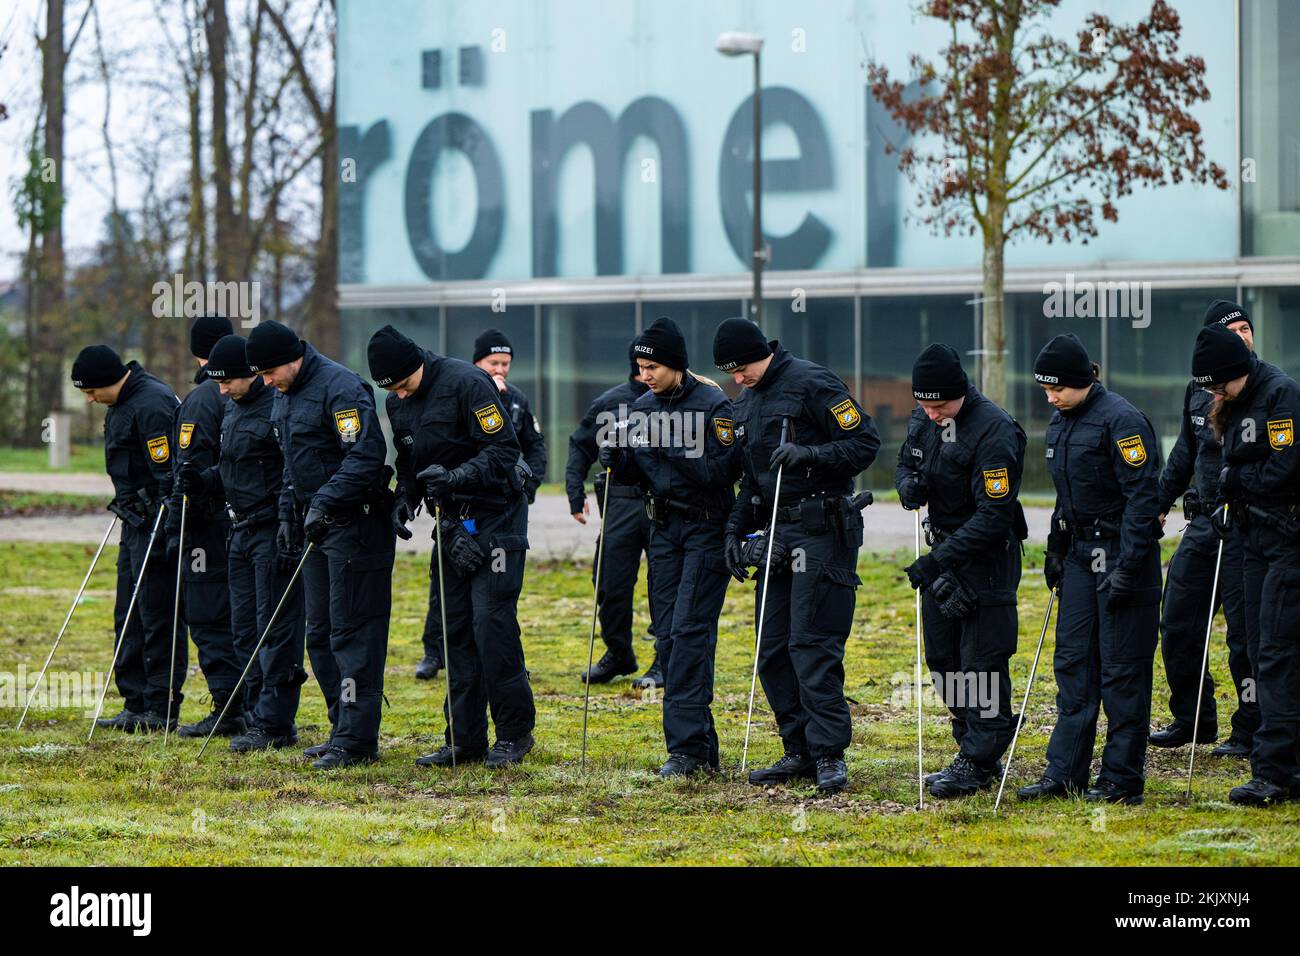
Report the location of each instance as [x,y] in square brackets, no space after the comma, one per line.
[996,482]
[1134,452]
[489,418]
[158,449]
[846,414]
[1281,434]
[348,422]
[724,428]
[187,432]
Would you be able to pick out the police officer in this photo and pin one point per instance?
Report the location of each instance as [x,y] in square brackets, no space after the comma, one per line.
[251,473]
[336,495]
[799,417]
[138,457]
[493,353]
[964,456]
[625,532]
[456,448]
[679,446]
[1255,417]
[1103,556]
[1193,472]
[205,590]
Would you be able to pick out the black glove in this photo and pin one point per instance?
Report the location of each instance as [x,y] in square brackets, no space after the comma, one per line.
[288,545]
[402,514]
[1230,486]
[733,556]
[459,547]
[923,572]
[791,455]
[438,481]
[145,503]
[527,480]
[955,600]
[173,550]
[1221,521]
[610,456]
[1118,587]
[1053,570]
[913,492]
[1192,506]
[191,479]
[754,552]
[127,514]
[316,525]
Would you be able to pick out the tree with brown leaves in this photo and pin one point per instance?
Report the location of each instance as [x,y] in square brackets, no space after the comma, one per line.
[1029,135]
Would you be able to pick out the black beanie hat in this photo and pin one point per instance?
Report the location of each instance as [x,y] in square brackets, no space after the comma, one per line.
[205,332]
[97,366]
[664,343]
[631,358]
[1064,361]
[228,359]
[489,342]
[1220,356]
[937,375]
[271,344]
[392,356]
[1223,312]
[739,342]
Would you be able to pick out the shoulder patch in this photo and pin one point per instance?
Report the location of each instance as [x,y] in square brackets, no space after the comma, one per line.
[725,429]
[997,483]
[846,413]
[187,432]
[489,419]
[1134,452]
[1281,434]
[158,449]
[348,422]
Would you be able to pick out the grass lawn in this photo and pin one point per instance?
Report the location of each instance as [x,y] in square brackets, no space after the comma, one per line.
[83,458]
[126,800]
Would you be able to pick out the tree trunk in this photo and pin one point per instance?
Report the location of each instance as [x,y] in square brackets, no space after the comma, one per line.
[46,360]
[227,240]
[322,303]
[993,338]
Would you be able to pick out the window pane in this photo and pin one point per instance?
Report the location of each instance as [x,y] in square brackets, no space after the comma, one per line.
[1270,127]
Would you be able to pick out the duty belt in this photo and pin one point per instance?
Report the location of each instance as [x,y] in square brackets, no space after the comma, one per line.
[658,508]
[794,512]
[251,520]
[1094,529]
[465,506]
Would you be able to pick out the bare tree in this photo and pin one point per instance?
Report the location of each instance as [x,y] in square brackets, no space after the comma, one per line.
[1035,135]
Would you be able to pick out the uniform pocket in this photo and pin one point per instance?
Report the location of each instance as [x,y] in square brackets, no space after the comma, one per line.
[995,639]
[370,586]
[834,600]
[505,563]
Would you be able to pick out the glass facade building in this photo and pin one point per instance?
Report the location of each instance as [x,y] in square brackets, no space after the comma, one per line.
[569,170]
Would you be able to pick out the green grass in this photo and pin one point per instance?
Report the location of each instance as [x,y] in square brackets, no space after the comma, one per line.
[126,800]
[24,503]
[83,458]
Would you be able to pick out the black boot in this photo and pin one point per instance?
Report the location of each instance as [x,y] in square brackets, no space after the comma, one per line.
[962,779]
[428,668]
[336,758]
[1046,787]
[653,676]
[126,720]
[1107,791]
[789,767]
[505,752]
[682,765]
[611,664]
[1232,747]
[318,750]
[1177,734]
[1259,793]
[258,738]
[442,757]
[152,721]
[231,726]
[832,774]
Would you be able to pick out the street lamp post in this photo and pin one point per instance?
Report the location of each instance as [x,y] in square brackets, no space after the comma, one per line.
[740,44]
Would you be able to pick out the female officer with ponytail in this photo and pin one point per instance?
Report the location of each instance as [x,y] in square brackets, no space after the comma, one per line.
[1103,558]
